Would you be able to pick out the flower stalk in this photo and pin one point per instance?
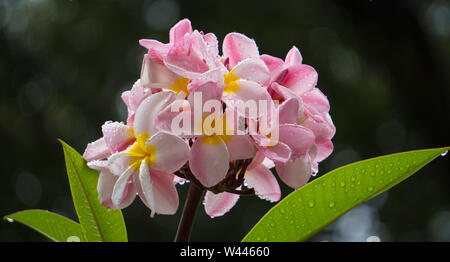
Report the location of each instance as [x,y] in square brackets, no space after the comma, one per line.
[189,211]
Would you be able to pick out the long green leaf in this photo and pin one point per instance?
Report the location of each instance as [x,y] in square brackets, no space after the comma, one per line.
[53,226]
[317,204]
[98,222]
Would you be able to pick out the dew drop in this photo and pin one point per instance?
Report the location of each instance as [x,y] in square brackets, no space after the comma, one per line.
[258,238]
[311,204]
[370,188]
[342,184]
[272,224]
[353,179]
[444,153]
[10,220]
[331,204]
[282,210]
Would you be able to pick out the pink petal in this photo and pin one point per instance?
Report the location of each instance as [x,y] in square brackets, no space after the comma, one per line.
[218,204]
[253,69]
[158,190]
[279,152]
[98,165]
[298,138]
[322,127]
[200,48]
[293,57]
[240,147]
[209,90]
[118,162]
[156,49]
[155,74]
[105,188]
[257,159]
[323,150]
[178,31]
[172,152]
[121,185]
[264,182]
[190,67]
[96,150]
[248,91]
[287,94]
[317,100]
[117,136]
[272,62]
[166,118]
[288,111]
[144,122]
[209,160]
[126,98]
[213,44]
[296,172]
[238,47]
[300,78]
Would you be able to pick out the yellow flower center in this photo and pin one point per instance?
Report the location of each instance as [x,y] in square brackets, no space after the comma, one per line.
[231,84]
[214,136]
[180,84]
[141,152]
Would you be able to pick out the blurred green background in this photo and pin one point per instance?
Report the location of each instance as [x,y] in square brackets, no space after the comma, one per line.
[384,66]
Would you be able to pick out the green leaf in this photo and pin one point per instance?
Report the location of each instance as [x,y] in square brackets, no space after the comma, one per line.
[98,222]
[53,226]
[317,204]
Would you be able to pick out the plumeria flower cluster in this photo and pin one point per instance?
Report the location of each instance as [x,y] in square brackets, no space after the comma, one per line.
[187,123]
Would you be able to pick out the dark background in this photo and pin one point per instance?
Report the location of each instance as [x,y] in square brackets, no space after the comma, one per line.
[383,65]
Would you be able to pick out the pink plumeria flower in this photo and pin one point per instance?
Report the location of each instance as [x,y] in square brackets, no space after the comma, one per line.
[292,79]
[188,54]
[148,163]
[116,137]
[211,151]
[247,76]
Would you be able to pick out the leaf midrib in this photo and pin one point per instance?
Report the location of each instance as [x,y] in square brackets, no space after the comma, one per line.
[85,194]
